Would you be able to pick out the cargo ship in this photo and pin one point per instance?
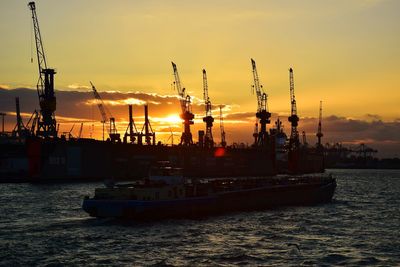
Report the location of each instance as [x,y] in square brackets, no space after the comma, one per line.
[166,194]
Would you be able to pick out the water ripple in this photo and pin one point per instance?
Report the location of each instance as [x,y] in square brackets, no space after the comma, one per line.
[44,225]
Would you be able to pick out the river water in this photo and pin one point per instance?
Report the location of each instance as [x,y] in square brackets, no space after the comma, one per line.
[45,225]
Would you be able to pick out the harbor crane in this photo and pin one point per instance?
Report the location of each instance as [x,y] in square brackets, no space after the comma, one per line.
[293,119]
[80,131]
[20,130]
[294,143]
[208,119]
[131,130]
[106,116]
[45,85]
[2,114]
[319,132]
[304,136]
[261,138]
[187,116]
[221,127]
[149,134]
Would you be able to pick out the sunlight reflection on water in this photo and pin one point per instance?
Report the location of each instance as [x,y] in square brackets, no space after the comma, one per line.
[44,224]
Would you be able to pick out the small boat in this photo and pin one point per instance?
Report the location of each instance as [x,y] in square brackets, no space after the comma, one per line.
[166,194]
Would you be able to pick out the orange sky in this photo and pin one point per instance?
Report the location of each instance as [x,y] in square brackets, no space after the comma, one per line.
[344,52]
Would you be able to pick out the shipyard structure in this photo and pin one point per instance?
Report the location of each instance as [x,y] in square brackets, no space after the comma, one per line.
[35,151]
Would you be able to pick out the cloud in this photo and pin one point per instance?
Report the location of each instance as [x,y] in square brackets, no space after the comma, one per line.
[354,129]
[121,102]
[373,117]
[240,116]
[164,110]
[76,86]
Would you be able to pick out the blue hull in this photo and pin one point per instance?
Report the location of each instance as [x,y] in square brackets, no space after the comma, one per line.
[241,200]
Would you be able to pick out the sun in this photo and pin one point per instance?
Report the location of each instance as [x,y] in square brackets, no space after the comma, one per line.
[174,118]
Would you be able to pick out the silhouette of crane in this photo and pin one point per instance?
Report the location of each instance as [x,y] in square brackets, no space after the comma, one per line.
[2,114]
[221,127]
[106,116]
[45,85]
[262,110]
[293,119]
[187,116]
[319,132]
[80,131]
[294,143]
[208,119]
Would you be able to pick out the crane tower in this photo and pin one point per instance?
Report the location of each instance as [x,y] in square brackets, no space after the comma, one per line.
[221,127]
[293,119]
[106,116]
[187,116]
[45,85]
[208,119]
[261,139]
[319,133]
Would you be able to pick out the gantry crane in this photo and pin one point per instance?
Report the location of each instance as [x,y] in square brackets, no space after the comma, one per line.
[2,114]
[187,116]
[293,119]
[149,134]
[208,119]
[133,134]
[221,127]
[106,116]
[319,132]
[304,137]
[262,109]
[45,85]
[20,130]
[80,131]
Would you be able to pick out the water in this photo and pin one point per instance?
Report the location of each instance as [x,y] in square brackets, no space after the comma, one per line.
[44,225]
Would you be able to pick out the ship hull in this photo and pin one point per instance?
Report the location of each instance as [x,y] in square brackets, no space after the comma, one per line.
[241,200]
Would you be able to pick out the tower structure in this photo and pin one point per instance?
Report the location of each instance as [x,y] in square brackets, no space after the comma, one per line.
[208,119]
[221,127]
[106,117]
[293,119]
[187,116]
[45,85]
[262,109]
[319,132]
